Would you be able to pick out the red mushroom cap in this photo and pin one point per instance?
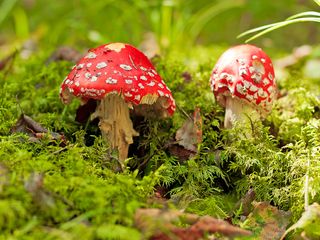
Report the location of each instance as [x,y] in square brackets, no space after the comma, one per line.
[245,72]
[116,68]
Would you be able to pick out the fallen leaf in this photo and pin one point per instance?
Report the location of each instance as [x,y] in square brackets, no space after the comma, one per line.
[267,221]
[65,53]
[188,137]
[245,203]
[309,223]
[35,131]
[160,225]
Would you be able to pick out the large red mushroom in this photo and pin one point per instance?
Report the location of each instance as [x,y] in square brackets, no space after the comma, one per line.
[120,77]
[243,82]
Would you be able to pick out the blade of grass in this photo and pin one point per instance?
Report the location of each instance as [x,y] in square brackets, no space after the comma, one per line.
[258,29]
[21,23]
[203,16]
[304,14]
[5,9]
[279,25]
[317,2]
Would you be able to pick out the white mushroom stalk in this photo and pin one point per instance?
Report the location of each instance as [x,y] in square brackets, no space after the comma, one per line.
[115,124]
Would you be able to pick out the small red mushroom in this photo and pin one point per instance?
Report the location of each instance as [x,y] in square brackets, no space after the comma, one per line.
[243,82]
[120,77]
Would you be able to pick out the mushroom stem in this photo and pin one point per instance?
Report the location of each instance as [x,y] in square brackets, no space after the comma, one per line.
[239,111]
[115,124]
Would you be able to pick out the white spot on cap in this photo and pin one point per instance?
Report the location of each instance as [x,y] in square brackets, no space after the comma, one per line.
[270,76]
[101,65]
[79,66]
[140,85]
[265,81]
[91,55]
[87,75]
[253,88]
[115,46]
[89,65]
[222,85]
[137,97]
[82,89]
[94,78]
[242,71]
[270,89]
[127,94]
[254,56]
[128,81]
[111,80]
[150,74]
[161,93]
[77,83]
[247,84]
[144,78]
[143,68]
[154,72]
[249,97]
[160,85]
[125,67]
[241,61]
[67,81]
[263,60]
[262,93]
[241,89]
[151,84]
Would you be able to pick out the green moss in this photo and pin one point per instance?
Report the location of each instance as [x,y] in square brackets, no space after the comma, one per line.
[81,197]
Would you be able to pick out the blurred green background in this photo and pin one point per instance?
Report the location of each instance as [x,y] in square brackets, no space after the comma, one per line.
[174,24]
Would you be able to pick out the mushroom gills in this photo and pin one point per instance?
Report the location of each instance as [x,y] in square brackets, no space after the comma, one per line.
[115,124]
[239,111]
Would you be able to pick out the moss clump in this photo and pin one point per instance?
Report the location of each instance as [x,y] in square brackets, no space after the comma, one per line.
[68,192]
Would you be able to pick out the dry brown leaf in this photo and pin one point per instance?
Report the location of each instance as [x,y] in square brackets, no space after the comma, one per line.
[188,137]
[35,131]
[269,222]
[160,225]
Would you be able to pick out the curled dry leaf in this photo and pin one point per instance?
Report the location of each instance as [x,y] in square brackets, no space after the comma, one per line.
[188,137]
[35,131]
[160,224]
[309,223]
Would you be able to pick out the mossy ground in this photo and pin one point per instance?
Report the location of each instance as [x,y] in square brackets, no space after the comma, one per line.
[81,197]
